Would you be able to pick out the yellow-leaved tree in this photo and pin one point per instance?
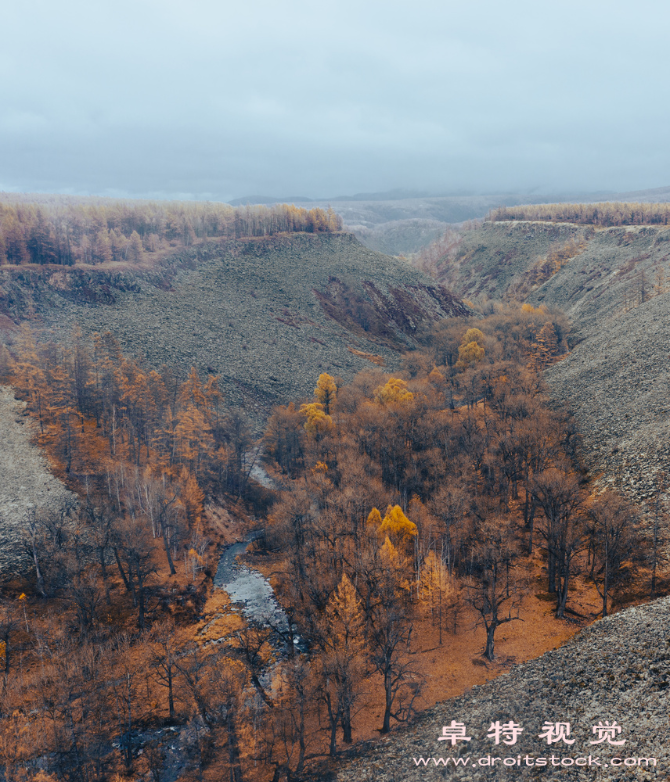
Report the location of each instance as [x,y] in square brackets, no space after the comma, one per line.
[395,390]
[318,422]
[471,348]
[326,392]
[397,526]
[192,498]
[435,587]
[342,659]
[375,518]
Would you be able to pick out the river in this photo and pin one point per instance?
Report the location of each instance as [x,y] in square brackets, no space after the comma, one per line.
[249,588]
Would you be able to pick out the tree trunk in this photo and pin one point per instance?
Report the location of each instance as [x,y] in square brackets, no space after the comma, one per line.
[388,701]
[166,544]
[490,634]
[346,724]
[563,594]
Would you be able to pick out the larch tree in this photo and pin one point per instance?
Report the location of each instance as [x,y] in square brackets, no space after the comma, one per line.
[134,249]
[435,586]
[493,588]
[341,661]
[326,392]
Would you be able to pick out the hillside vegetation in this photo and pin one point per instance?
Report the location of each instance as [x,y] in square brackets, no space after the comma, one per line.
[264,313]
[604,214]
[64,232]
[427,499]
[612,283]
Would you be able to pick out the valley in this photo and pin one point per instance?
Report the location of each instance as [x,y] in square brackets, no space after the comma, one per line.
[612,283]
[375,387]
[263,314]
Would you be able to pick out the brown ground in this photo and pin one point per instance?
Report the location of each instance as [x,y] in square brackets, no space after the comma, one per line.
[455,666]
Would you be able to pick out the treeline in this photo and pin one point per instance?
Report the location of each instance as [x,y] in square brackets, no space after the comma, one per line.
[440,492]
[601,214]
[92,233]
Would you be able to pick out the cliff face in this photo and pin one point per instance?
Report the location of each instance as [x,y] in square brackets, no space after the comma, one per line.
[268,315]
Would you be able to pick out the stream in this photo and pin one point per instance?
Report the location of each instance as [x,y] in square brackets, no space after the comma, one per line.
[249,588]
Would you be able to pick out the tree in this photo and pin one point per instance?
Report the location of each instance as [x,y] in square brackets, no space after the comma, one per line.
[435,586]
[393,392]
[471,349]
[558,494]
[342,643]
[164,654]
[134,250]
[614,544]
[318,422]
[326,392]
[134,558]
[390,629]
[102,250]
[493,586]
[397,525]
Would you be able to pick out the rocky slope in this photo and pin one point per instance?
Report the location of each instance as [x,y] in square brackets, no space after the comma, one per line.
[616,670]
[26,485]
[266,315]
[616,292]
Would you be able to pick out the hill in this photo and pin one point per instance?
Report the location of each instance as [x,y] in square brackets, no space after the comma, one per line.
[403,222]
[613,285]
[266,314]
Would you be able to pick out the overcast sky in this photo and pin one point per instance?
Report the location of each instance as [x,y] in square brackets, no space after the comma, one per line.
[219,99]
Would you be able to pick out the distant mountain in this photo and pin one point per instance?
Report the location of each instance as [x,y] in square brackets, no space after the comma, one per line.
[268,200]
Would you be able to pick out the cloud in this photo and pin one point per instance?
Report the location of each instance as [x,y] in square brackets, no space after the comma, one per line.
[165,97]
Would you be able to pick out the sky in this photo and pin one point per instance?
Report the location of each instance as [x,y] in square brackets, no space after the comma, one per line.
[213,99]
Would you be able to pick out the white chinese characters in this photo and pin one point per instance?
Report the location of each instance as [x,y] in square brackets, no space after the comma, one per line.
[606,732]
[509,732]
[454,732]
[552,732]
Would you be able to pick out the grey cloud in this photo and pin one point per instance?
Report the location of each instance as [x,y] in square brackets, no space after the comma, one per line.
[216,99]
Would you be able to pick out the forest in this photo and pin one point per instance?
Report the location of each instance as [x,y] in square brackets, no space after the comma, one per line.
[93,233]
[605,214]
[438,495]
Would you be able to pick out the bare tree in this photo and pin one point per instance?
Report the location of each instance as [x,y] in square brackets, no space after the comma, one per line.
[615,543]
[559,495]
[493,587]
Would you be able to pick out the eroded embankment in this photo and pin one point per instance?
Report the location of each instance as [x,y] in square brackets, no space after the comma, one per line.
[26,485]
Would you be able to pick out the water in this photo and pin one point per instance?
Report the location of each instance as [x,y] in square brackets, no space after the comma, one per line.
[249,588]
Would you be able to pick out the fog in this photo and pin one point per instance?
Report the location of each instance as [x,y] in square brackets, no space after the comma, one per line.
[204,99]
